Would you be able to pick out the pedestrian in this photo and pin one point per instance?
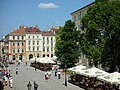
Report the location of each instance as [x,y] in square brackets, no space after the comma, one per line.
[26,62]
[59,74]
[35,85]
[56,72]
[49,74]
[29,85]
[27,68]
[11,81]
[16,70]
[46,76]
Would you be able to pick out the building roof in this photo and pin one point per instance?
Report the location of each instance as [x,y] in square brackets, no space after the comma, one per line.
[82,8]
[24,30]
[48,33]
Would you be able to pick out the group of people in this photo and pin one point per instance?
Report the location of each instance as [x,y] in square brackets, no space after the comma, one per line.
[7,78]
[29,85]
[48,74]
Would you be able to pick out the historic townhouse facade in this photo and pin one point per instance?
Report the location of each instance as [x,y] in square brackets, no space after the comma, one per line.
[33,43]
[48,38]
[17,44]
[76,17]
[29,42]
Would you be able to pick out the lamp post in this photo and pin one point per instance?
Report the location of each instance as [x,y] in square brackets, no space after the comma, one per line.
[35,63]
[65,75]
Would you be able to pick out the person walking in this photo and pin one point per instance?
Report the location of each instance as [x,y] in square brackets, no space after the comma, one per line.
[29,85]
[35,85]
[59,74]
[16,70]
[27,68]
[11,81]
[46,76]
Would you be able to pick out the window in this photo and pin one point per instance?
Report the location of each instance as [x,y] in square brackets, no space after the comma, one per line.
[47,48]
[13,50]
[37,48]
[74,18]
[51,55]
[18,44]
[18,50]
[13,44]
[33,42]
[29,48]
[47,55]
[43,55]
[51,48]
[47,40]
[33,48]
[43,48]
[79,17]
[22,44]
[29,37]
[13,37]
[43,40]
[17,37]
[37,42]
[38,55]
[22,50]
[37,37]
[22,37]
[29,42]
[51,39]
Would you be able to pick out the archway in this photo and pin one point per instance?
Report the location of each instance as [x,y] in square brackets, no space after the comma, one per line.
[30,56]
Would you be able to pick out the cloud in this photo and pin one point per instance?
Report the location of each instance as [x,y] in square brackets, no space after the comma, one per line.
[47,5]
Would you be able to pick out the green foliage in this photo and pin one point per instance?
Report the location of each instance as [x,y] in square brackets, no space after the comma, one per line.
[67,48]
[101,40]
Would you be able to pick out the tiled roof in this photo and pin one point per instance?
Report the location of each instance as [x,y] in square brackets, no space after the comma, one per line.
[19,31]
[48,33]
[23,30]
[32,29]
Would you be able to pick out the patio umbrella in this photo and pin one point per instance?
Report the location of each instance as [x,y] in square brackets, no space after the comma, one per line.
[112,77]
[78,68]
[48,61]
[93,72]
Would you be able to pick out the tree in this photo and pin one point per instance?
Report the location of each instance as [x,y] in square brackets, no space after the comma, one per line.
[67,46]
[101,38]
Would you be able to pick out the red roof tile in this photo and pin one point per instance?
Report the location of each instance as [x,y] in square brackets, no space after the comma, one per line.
[48,33]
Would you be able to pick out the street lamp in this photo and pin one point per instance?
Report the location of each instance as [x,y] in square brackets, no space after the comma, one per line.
[35,63]
[65,75]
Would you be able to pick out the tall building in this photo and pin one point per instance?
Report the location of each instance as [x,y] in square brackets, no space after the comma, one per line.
[76,17]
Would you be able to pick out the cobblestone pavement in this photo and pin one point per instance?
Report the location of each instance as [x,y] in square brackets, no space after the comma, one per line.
[21,80]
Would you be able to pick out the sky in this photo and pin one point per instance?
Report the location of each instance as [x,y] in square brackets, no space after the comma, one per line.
[43,13]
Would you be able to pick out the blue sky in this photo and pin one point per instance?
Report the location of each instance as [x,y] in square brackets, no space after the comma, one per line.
[44,13]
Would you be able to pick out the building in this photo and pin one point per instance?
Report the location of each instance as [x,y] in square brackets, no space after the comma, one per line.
[33,42]
[76,17]
[78,14]
[17,44]
[28,42]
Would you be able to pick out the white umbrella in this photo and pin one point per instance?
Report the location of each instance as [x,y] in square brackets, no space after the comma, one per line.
[112,77]
[78,68]
[94,72]
[48,61]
